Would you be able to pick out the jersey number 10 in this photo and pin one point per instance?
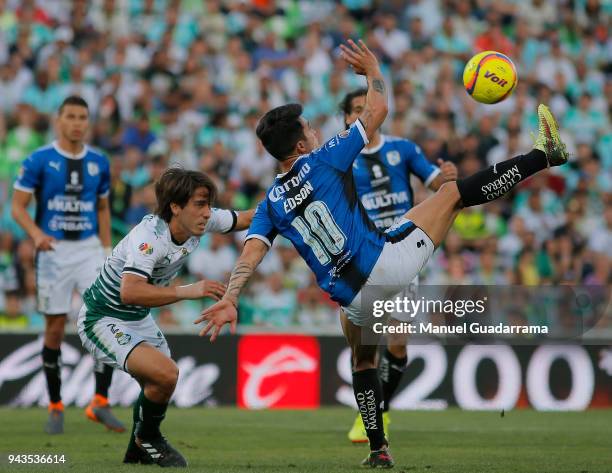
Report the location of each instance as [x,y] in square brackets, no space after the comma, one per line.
[320,231]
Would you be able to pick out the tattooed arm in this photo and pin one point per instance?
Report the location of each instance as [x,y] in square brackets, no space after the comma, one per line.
[225,311]
[375,109]
[364,62]
[252,254]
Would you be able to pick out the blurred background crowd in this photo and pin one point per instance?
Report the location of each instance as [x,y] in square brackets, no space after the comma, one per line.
[171,81]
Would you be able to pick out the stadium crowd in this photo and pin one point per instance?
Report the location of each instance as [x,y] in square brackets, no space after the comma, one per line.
[184,82]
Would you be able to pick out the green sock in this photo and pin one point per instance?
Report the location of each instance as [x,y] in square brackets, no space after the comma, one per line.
[152,415]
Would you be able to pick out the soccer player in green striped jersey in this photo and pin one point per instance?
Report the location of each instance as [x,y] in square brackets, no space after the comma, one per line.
[114,323]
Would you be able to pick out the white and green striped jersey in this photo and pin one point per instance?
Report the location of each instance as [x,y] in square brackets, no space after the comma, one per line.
[148,251]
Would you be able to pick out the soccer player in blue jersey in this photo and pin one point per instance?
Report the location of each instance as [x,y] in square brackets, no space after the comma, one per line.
[314,204]
[382,173]
[71,233]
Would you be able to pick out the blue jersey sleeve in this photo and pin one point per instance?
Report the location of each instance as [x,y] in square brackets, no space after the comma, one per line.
[340,151]
[418,164]
[262,227]
[104,187]
[30,174]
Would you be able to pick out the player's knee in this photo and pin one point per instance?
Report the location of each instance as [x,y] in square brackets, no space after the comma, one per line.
[168,376]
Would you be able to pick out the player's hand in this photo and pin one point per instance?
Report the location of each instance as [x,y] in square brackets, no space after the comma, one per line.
[212,289]
[204,288]
[44,242]
[360,58]
[448,170]
[217,315]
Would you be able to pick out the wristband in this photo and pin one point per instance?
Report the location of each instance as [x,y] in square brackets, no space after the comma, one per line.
[108,250]
[182,292]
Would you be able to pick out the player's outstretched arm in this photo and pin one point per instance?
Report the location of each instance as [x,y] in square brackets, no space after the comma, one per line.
[225,311]
[364,62]
[136,290]
[244,220]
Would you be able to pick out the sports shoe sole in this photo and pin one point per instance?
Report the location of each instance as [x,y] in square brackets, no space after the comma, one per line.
[556,155]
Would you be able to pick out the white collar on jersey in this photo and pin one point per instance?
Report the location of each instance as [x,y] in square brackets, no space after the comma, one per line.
[68,155]
[377,148]
[278,176]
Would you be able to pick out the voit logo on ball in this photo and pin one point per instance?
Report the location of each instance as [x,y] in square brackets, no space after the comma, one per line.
[278,371]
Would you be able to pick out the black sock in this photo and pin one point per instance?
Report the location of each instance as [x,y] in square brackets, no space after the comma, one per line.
[495,181]
[151,416]
[104,376]
[368,394]
[52,368]
[135,418]
[390,371]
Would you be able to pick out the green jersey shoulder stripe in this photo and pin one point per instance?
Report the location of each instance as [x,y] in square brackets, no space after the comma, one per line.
[115,280]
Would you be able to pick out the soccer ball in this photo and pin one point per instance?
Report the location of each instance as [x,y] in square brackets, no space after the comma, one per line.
[489,77]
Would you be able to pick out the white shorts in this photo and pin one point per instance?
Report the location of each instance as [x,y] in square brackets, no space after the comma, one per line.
[399,263]
[71,265]
[111,340]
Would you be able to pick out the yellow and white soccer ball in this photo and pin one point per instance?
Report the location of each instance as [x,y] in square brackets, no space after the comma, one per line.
[490,77]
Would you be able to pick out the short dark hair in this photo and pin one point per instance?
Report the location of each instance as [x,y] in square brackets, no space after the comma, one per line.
[280,129]
[176,186]
[74,100]
[346,105]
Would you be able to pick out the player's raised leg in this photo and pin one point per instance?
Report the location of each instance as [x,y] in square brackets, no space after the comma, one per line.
[368,393]
[158,375]
[51,356]
[436,214]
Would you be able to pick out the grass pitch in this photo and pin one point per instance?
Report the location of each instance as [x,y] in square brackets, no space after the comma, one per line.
[230,440]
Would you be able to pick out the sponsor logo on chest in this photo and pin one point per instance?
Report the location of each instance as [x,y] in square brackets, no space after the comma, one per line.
[277,192]
[373,202]
[69,204]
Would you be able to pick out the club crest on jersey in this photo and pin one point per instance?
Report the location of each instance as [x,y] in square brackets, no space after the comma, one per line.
[393,158]
[145,248]
[123,338]
[93,169]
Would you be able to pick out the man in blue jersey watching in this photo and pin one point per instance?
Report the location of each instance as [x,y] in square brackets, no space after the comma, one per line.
[382,174]
[314,204]
[71,234]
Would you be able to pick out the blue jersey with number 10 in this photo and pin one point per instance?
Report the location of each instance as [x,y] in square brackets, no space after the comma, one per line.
[315,206]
